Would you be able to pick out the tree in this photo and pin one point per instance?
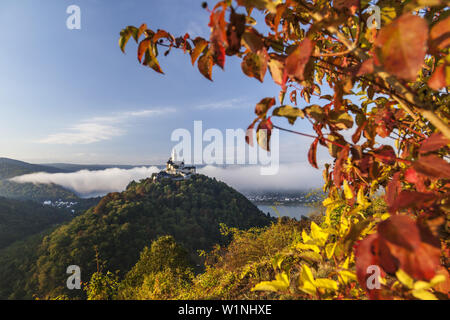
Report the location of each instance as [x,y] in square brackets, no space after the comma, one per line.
[402,75]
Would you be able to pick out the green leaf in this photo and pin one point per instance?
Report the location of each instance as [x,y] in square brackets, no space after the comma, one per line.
[341,120]
[315,112]
[123,40]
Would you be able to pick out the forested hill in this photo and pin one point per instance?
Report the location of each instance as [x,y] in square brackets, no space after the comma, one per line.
[19,220]
[11,168]
[122,224]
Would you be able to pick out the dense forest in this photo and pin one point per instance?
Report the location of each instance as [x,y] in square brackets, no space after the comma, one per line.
[18,219]
[111,235]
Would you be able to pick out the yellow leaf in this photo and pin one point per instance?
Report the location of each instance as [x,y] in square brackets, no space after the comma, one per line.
[280,283]
[346,276]
[308,288]
[437,279]
[313,247]
[306,274]
[385,216]
[346,263]
[421,285]
[329,249]
[423,295]
[317,234]
[361,198]
[305,237]
[311,256]
[347,191]
[326,284]
[404,278]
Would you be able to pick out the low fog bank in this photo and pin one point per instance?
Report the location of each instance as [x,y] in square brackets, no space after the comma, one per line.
[290,177]
[89,183]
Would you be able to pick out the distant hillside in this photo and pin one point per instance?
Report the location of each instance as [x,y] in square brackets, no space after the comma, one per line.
[10,168]
[77,167]
[34,192]
[122,224]
[19,220]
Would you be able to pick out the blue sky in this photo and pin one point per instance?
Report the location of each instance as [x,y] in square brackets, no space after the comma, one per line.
[72,96]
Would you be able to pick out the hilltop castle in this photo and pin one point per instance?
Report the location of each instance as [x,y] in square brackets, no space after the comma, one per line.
[176,170]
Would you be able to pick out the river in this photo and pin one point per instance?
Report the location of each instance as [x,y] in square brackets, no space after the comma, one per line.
[292,211]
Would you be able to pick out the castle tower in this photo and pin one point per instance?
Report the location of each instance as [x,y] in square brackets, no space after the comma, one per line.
[174,155]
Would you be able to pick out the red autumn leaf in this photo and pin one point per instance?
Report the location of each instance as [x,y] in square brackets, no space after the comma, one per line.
[218,37]
[160,34]
[411,175]
[438,79]
[350,5]
[434,142]
[414,248]
[402,46]
[337,172]
[293,96]
[385,122]
[420,263]
[414,199]
[366,254]
[312,154]
[366,67]
[249,133]
[392,190]
[386,154]
[401,231]
[440,34]
[357,135]
[297,60]
[235,29]
[143,47]
[432,166]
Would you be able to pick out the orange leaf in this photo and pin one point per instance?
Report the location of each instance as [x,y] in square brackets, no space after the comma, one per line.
[200,45]
[297,60]
[402,46]
[205,64]
[143,47]
[440,34]
[312,154]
